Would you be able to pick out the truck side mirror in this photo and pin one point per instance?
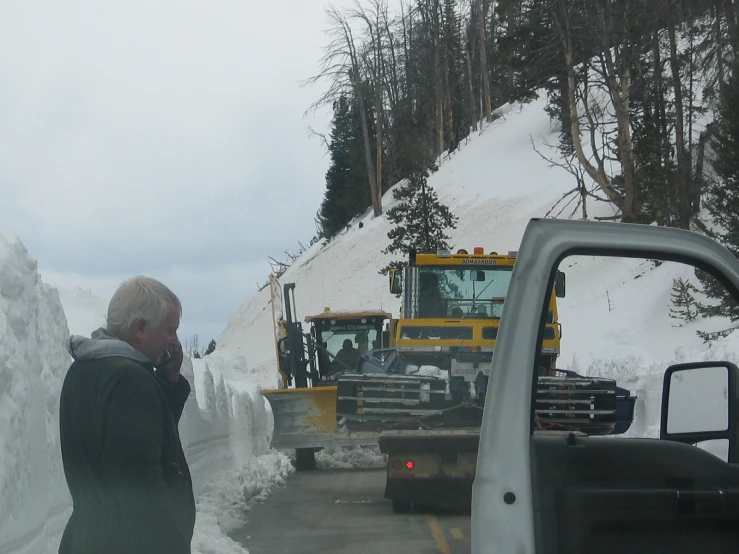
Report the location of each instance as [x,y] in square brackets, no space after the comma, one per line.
[396,282]
[700,405]
[559,284]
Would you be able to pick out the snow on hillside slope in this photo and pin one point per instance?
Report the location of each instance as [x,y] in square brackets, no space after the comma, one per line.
[615,317]
[495,183]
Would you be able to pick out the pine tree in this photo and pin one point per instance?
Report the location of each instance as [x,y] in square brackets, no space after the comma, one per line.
[346,193]
[722,202]
[211,347]
[420,220]
[685,308]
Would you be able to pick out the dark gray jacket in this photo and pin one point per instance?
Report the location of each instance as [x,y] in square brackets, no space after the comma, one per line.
[123,460]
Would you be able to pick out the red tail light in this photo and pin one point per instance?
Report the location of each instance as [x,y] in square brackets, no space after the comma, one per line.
[409,464]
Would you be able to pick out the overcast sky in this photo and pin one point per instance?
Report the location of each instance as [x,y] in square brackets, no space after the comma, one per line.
[162,138]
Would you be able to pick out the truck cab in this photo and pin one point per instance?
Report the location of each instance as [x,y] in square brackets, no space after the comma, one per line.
[451,309]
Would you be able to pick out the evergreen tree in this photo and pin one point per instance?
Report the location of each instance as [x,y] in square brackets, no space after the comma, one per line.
[685,308]
[420,220]
[722,202]
[346,193]
[211,347]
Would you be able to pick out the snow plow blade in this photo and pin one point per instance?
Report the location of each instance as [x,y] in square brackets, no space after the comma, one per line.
[306,418]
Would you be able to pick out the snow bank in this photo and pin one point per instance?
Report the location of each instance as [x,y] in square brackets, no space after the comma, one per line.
[225,426]
[84,310]
[224,502]
[359,457]
[33,361]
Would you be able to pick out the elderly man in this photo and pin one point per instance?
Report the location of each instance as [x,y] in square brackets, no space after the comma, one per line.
[118,415]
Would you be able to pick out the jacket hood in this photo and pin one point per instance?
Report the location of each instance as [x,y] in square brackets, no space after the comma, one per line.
[102,344]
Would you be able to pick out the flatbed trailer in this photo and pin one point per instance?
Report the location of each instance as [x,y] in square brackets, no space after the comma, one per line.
[435,467]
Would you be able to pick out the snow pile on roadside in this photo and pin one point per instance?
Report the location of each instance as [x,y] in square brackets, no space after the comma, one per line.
[360,457]
[224,436]
[84,311]
[33,361]
[224,501]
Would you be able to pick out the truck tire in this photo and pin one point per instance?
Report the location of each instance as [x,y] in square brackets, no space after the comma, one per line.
[305,459]
[401,507]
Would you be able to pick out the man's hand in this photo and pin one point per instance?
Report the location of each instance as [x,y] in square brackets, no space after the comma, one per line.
[170,370]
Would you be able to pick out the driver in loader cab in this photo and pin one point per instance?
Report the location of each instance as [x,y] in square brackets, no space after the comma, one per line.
[348,354]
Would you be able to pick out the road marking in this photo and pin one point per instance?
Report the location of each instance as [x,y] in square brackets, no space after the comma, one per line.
[438,535]
[456,533]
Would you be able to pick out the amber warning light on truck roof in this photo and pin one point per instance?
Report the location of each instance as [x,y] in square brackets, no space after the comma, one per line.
[479,250]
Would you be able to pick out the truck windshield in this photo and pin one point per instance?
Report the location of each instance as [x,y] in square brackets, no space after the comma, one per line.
[462,292]
[347,341]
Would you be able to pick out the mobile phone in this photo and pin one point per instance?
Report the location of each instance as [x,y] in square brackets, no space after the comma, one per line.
[166,357]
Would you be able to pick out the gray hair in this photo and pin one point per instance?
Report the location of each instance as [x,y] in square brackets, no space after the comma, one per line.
[140,297]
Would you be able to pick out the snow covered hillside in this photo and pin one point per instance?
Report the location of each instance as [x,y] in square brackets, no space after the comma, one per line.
[615,319]
[225,428]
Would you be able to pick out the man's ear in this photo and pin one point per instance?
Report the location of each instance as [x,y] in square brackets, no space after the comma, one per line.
[138,327]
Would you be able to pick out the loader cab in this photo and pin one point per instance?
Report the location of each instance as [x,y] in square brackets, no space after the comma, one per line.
[340,338]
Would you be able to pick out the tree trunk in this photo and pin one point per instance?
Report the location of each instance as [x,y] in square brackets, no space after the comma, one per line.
[357,80]
[683,171]
[376,200]
[438,86]
[486,109]
[379,116]
[470,90]
[595,174]
[618,76]
[509,33]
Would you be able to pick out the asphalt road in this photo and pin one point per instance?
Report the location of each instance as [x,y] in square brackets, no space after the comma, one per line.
[343,511]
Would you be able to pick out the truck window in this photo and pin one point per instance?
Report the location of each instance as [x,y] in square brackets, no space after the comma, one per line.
[362,337]
[629,319]
[472,291]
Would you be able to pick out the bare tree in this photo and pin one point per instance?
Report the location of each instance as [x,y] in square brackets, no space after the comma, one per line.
[610,73]
[376,22]
[340,64]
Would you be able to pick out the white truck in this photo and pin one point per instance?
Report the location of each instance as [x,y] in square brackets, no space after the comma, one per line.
[542,494]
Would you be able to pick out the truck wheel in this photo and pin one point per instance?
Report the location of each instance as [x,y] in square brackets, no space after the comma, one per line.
[400,507]
[305,459]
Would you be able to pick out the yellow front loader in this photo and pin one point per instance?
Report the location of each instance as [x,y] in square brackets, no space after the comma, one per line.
[309,363]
